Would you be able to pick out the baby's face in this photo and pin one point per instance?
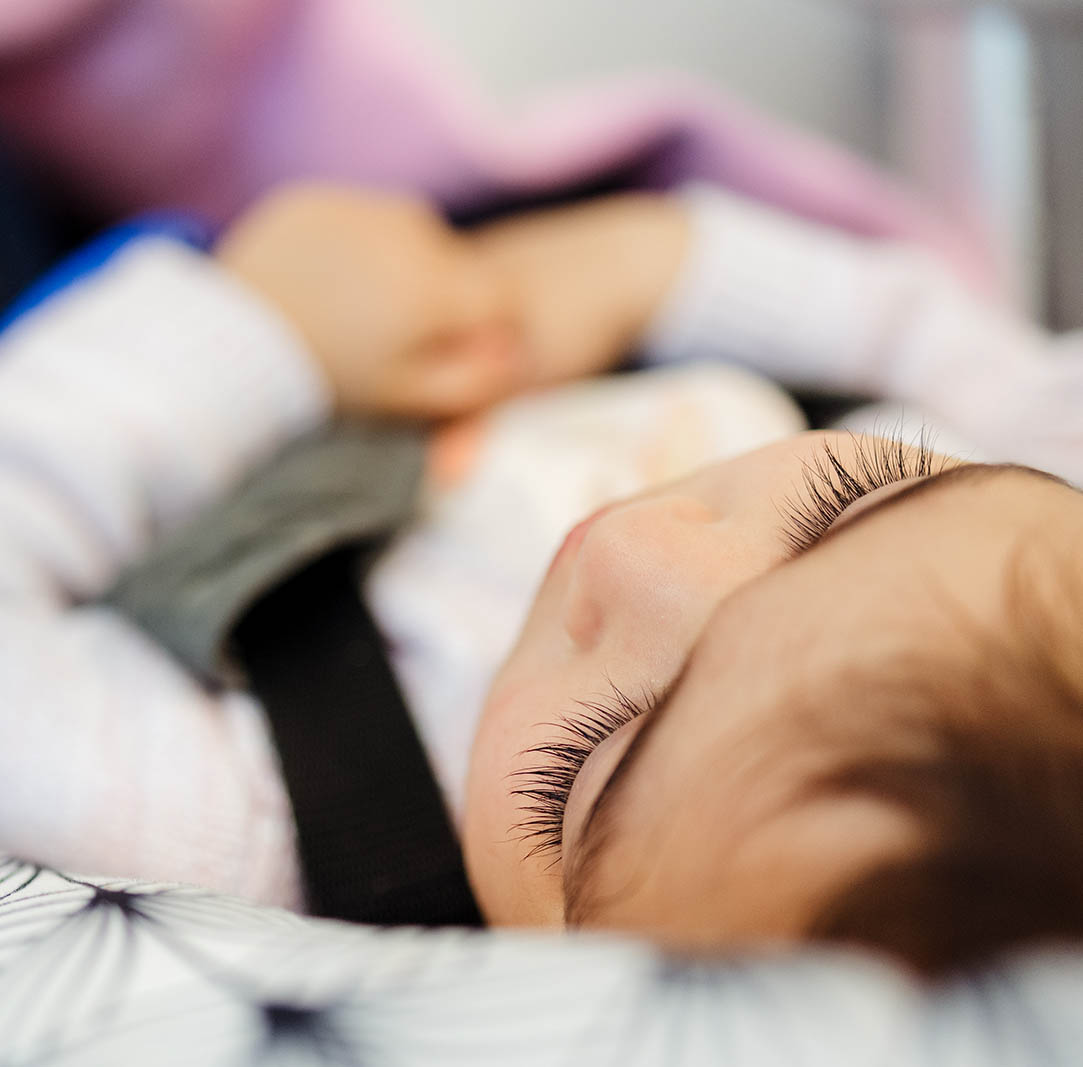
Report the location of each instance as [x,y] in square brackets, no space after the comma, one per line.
[640,750]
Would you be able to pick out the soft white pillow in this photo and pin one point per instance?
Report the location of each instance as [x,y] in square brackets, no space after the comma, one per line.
[114,973]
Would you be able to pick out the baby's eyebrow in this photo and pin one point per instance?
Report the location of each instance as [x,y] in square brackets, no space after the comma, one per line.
[592,835]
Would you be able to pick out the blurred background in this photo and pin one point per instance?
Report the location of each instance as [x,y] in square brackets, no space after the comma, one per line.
[976,104]
[980,105]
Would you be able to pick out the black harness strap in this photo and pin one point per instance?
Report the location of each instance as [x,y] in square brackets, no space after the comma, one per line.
[375,839]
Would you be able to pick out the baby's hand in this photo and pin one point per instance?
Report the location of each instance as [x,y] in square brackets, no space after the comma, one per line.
[588,277]
[402,314]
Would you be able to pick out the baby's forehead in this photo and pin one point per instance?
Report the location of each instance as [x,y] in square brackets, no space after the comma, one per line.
[846,649]
[909,584]
[948,546]
[842,635]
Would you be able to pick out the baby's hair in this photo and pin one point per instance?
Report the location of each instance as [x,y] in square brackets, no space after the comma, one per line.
[994,786]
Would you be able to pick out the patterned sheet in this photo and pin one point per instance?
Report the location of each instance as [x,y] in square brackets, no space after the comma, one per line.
[115,973]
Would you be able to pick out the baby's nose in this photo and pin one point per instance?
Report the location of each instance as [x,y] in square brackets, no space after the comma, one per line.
[646,572]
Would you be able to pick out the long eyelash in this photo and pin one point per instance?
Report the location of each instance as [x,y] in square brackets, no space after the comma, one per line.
[830,486]
[546,785]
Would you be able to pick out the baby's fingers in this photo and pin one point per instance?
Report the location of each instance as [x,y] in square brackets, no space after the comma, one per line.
[459,374]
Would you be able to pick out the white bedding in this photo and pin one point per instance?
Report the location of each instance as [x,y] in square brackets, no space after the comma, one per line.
[142,974]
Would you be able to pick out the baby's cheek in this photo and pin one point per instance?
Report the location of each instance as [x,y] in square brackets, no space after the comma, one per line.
[498,741]
[483,815]
[509,891]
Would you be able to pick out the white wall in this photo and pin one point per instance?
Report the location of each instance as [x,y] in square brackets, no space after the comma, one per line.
[812,60]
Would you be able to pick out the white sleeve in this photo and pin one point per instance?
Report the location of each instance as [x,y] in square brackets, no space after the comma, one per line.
[125,403]
[813,307]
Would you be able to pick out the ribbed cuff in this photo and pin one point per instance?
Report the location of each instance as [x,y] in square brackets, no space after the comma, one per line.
[804,304]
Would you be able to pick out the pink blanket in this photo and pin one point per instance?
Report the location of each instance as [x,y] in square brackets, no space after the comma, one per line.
[203,104]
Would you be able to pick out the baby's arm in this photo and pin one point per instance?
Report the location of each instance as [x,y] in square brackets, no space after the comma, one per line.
[817,308]
[127,403]
[706,274]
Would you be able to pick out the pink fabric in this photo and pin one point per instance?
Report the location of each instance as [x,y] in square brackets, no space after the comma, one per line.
[203,104]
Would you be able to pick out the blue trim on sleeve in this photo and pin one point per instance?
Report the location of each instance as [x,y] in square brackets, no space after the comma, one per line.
[92,257]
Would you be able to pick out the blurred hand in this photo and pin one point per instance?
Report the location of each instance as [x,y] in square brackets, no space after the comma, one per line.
[588,278]
[400,311]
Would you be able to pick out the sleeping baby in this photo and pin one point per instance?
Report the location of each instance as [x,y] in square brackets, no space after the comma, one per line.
[773,685]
